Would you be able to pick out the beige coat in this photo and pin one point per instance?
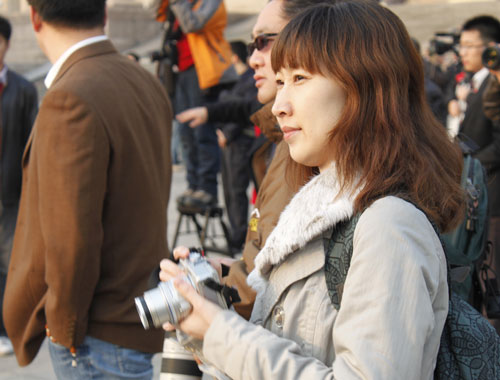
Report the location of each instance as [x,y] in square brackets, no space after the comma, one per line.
[393,309]
[92,217]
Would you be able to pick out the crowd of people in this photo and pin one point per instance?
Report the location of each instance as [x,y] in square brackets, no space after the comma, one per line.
[334,115]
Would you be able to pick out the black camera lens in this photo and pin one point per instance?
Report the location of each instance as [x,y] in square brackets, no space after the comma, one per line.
[144,313]
[491,57]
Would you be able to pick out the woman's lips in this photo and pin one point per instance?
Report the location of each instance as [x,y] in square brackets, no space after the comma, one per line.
[289,132]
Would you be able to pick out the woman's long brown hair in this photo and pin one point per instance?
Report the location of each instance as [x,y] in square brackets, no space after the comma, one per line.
[387,137]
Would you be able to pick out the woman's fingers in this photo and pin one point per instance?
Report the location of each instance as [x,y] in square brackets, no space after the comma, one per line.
[187,291]
[181,252]
[169,270]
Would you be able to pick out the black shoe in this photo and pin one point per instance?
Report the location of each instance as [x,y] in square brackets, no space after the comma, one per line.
[200,199]
[185,194]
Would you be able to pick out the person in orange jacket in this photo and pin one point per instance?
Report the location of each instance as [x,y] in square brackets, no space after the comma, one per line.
[202,63]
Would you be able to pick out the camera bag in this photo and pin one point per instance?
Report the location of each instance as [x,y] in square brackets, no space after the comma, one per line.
[470,346]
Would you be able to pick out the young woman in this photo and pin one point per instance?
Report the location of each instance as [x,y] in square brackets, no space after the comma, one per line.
[352,107]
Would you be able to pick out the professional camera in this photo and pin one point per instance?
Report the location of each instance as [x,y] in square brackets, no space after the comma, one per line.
[164,304]
[443,42]
[158,55]
[491,57]
[168,52]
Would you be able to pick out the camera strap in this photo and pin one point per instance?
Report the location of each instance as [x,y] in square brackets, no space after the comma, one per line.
[230,294]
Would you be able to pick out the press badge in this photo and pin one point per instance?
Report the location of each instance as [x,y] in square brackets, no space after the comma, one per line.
[254,220]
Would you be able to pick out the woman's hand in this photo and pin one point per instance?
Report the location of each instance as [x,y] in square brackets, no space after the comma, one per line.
[199,320]
[169,269]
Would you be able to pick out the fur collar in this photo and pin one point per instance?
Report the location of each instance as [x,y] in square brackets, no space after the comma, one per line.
[313,210]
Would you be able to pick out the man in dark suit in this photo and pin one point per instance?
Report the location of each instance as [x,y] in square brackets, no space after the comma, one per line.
[476,128]
[18,108]
[92,216]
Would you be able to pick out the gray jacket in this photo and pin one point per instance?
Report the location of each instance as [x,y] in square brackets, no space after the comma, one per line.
[193,21]
[394,304]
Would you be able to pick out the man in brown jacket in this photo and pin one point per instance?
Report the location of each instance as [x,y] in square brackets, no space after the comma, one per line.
[92,217]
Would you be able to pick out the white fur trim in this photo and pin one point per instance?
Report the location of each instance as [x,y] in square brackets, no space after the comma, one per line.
[313,210]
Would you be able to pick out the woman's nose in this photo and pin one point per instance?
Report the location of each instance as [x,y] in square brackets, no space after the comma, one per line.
[282,106]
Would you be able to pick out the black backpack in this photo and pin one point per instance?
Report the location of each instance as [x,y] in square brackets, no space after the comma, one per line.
[470,346]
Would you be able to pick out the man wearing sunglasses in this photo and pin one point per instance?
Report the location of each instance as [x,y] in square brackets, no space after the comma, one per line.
[273,194]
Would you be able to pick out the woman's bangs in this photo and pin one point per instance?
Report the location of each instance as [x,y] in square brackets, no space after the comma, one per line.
[296,48]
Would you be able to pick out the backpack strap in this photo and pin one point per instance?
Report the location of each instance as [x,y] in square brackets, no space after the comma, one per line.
[338,249]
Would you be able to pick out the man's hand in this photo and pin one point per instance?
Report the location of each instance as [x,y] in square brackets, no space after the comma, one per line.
[221,138]
[454,108]
[194,116]
[462,91]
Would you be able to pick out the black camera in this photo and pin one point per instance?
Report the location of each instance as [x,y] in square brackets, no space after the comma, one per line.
[443,42]
[491,57]
[158,55]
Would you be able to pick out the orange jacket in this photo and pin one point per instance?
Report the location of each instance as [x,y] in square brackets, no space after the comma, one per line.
[210,50]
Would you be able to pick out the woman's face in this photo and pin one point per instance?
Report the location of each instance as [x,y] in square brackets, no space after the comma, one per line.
[308,107]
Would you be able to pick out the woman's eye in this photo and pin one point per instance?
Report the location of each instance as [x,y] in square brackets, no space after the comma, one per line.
[279,82]
[298,78]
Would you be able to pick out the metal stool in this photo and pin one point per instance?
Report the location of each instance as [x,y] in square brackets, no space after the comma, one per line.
[202,230]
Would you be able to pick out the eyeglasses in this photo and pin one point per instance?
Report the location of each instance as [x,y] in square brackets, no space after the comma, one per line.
[260,42]
[469,47]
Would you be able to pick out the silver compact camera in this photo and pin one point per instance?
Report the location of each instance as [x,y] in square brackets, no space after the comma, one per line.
[164,304]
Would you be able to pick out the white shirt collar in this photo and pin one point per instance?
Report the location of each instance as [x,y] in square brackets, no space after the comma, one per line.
[479,77]
[3,74]
[49,79]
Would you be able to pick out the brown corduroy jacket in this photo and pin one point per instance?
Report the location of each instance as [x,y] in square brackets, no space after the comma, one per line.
[92,217]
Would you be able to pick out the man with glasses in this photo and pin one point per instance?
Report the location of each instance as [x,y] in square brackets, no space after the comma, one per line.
[476,129]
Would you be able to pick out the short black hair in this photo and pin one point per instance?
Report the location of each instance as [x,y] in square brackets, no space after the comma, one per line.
[75,14]
[240,49]
[487,26]
[5,28]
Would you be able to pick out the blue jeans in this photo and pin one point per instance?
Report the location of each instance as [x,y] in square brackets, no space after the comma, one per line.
[176,144]
[99,360]
[200,149]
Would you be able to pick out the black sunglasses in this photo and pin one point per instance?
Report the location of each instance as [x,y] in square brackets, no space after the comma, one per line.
[260,42]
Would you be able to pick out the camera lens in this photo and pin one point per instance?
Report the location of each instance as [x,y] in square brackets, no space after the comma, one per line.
[144,313]
[160,305]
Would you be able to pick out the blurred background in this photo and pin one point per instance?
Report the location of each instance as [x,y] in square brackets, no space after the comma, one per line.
[132,26]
